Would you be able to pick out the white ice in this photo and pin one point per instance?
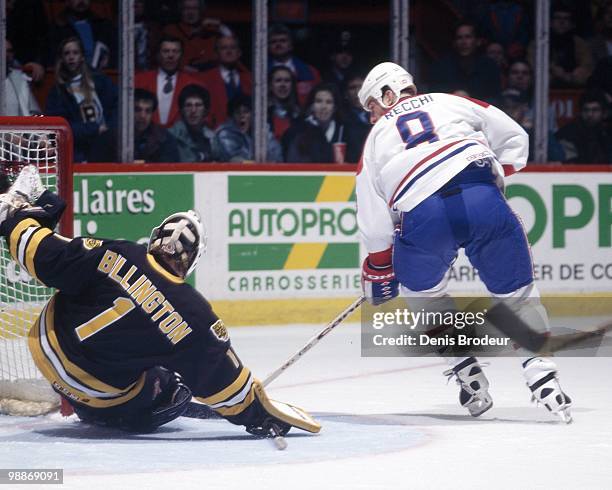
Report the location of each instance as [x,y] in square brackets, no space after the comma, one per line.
[387,423]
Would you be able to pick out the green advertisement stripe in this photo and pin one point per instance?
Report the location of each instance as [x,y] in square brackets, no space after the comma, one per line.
[274,188]
[353,197]
[273,256]
[340,256]
[258,257]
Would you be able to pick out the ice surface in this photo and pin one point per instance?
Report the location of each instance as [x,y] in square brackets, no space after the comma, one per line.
[387,423]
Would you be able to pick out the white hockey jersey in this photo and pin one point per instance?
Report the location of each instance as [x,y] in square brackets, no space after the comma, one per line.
[421,143]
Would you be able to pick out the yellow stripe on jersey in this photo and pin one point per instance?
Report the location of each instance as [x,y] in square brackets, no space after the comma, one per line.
[71,368]
[17,232]
[32,247]
[45,365]
[239,407]
[229,391]
[158,268]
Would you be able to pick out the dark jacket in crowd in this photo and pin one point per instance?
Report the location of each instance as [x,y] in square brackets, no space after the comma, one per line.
[357,128]
[305,142]
[478,75]
[194,147]
[86,136]
[232,145]
[585,144]
[156,145]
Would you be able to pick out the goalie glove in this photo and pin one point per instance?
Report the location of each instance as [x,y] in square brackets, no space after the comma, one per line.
[378,280]
[263,414]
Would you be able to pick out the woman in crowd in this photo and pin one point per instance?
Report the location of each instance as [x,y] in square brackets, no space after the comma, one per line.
[283,107]
[86,99]
[310,140]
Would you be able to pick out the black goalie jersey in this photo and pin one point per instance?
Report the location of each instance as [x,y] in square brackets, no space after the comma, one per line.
[117,313]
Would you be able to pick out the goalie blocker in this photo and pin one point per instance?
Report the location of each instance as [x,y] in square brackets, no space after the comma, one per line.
[121,311]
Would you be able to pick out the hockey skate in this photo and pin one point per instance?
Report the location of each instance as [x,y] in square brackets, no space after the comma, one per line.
[542,379]
[28,184]
[474,394]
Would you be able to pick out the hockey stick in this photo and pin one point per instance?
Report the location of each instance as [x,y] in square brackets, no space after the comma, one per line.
[201,411]
[314,340]
[507,322]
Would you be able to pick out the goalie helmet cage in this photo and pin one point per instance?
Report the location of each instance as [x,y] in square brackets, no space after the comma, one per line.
[47,143]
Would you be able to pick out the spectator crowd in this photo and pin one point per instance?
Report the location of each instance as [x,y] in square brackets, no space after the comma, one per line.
[193,86]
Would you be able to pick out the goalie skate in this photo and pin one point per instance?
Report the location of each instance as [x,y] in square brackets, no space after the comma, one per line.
[542,379]
[474,394]
[28,184]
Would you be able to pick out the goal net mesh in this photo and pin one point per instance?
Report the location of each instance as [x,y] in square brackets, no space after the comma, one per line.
[23,390]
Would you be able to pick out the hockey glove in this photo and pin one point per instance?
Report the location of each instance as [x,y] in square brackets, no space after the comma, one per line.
[378,279]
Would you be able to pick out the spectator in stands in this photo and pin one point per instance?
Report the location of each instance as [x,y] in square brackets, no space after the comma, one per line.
[341,60]
[586,139]
[310,140]
[19,98]
[507,23]
[167,81]
[520,77]
[195,140]
[495,51]
[283,107]
[515,103]
[198,34]
[234,138]
[147,33]
[357,120]
[602,78]
[465,69]
[280,49]
[86,99]
[571,62]
[27,29]
[97,35]
[152,143]
[227,80]
[601,44]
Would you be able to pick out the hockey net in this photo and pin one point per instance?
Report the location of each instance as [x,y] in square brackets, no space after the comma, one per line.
[47,143]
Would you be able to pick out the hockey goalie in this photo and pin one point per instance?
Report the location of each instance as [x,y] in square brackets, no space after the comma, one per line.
[125,340]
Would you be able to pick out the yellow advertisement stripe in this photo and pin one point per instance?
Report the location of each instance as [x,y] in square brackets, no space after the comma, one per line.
[305,255]
[33,247]
[336,188]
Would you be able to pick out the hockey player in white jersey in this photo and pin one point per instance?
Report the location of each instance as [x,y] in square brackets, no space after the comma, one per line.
[428,183]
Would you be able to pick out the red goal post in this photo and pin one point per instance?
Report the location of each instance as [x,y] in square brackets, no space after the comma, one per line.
[53,158]
[47,143]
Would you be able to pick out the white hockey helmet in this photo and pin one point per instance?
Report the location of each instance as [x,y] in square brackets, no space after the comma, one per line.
[383,75]
[179,242]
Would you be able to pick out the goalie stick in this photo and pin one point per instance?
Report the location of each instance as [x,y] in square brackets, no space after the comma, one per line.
[314,340]
[201,411]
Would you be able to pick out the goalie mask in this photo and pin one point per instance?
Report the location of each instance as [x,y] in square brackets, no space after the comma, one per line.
[178,242]
[382,76]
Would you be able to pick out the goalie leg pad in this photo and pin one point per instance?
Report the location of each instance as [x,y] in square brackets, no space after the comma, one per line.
[163,398]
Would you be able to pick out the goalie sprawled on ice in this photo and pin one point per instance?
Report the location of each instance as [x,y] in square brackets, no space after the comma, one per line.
[125,340]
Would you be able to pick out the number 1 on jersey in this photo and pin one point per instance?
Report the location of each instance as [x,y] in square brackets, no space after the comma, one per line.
[412,139]
[122,306]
